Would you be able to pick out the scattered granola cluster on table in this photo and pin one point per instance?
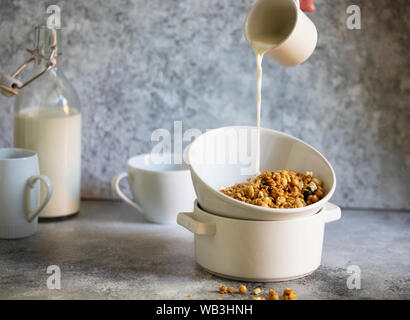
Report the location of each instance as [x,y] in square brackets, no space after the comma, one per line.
[279,189]
[288,294]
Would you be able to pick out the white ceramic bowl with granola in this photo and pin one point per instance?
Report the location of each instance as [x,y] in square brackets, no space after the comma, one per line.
[223,157]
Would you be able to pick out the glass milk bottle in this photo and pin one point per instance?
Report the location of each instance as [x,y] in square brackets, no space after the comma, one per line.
[47,120]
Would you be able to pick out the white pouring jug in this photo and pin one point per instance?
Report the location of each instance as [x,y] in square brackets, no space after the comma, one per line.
[281,27]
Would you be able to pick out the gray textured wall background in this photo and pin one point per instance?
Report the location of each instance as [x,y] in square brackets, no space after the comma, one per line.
[139,65]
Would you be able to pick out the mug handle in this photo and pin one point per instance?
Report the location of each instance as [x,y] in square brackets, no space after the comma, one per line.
[116,189]
[31,183]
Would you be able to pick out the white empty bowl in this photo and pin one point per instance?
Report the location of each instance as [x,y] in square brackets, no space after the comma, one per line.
[220,158]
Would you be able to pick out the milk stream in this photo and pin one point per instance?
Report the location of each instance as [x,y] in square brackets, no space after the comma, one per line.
[261,45]
[56,137]
[259,57]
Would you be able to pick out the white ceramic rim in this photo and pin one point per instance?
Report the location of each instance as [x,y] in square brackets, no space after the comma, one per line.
[316,215]
[219,194]
[26,154]
[184,167]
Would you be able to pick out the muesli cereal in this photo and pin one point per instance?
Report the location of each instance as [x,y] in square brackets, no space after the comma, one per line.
[256,291]
[289,294]
[222,289]
[273,295]
[279,189]
[242,289]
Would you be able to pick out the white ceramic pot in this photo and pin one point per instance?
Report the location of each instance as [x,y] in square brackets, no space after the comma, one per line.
[215,163]
[260,251]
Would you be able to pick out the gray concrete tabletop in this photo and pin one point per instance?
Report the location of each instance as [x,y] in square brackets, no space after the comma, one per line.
[109,252]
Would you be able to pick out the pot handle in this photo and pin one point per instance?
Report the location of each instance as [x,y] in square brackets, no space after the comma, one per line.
[332,213]
[186,219]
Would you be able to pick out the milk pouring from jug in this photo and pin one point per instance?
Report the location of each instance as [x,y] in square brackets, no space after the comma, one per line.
[281,31]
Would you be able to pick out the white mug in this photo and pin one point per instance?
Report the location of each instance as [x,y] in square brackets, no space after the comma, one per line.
[20,193]
[160,191]
[282,19]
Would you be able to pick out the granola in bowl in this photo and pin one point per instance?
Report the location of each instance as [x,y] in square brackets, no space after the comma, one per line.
[279,189]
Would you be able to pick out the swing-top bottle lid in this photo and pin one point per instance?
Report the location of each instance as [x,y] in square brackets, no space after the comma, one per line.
[47,47]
